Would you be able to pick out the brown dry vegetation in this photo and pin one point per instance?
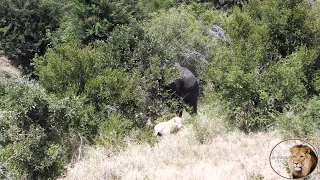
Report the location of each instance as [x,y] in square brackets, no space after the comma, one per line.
[225,154]
[6,69]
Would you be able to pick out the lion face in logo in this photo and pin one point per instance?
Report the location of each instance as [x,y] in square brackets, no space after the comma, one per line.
[302,161]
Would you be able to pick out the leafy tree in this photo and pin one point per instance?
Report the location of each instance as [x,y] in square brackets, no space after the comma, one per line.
[287,23]
[128,47]
[23,28]
[155,5]
[34,128]
[267,67]
[177,36]
[87,21]
[219,4]
[66,69]
[115,91]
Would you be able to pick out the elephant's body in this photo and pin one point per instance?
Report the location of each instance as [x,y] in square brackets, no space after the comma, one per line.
[186,87]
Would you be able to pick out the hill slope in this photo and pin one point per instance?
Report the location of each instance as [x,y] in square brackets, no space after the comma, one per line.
[223,154]
[6,69]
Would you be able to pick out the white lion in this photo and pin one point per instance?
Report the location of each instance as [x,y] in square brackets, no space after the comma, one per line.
[171,126]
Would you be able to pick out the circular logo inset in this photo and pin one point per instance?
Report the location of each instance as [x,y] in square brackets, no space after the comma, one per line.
[293,159]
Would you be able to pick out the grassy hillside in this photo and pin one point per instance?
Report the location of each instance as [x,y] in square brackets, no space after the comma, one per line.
[204,149]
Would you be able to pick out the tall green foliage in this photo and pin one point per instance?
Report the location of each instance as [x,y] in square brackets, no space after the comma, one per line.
[268,65]
[34,128]
[302,123]
[287,23]
[115,91]
[87,21]
[24,26]
[178,36]
[127,47]
[66,69]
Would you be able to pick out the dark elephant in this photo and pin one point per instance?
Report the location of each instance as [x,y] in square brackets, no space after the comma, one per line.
[186,87]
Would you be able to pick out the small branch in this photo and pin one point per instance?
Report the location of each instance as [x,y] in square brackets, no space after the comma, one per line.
[219,33]
[79,156]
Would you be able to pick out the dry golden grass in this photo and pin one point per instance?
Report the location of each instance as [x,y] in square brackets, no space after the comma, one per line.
[224,154]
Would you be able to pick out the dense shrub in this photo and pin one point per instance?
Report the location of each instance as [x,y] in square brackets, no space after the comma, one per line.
[67,68]
[269,65]
[127,47]
[96,19]
[155,5]
[302,123]
[178,35]
[233,69]
[24,26]
[218,4]
[283,83]
[311,113]
[173,36]
[34,128]
[115,91]
[113,131]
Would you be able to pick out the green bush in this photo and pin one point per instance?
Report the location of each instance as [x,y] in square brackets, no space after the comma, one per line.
[301,123]
[284,81]
[156,5]
[138,44]
[312,23]
[67,68]
[233,73]
[115,91]
[96,19]
[177,35]
[34,126]
[127,47]
[287,23]
[113,130]
[311,114]
[218,4]
[269,65]
[24,28]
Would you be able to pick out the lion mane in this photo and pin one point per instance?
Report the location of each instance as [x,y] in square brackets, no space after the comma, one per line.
[302,161]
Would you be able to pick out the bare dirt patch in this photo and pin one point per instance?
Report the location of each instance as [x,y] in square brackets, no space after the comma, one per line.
[7,68]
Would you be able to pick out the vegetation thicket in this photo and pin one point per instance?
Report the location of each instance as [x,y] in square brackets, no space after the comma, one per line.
[97,68]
